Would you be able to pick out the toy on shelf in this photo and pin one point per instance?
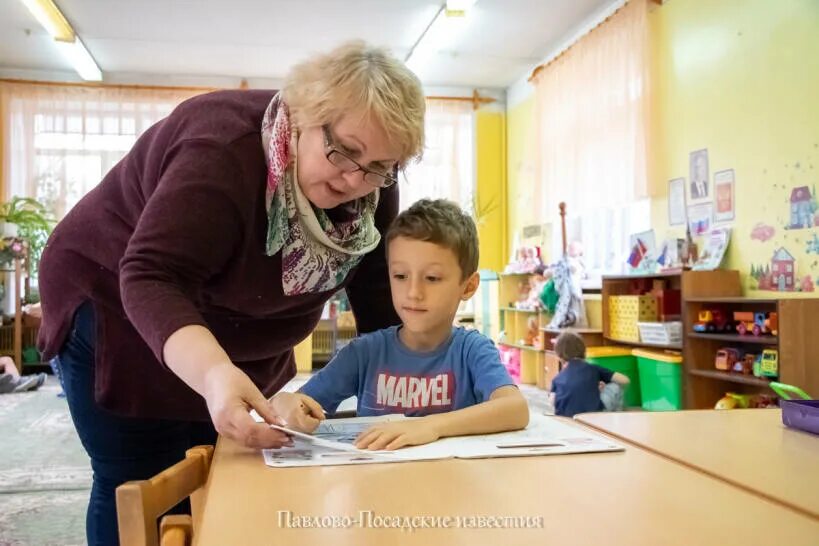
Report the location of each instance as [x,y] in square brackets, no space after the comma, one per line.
[531,332]
[713,321]
[570,310]
[745,365]
[767,364]
[756,323]
[732,400]
[527,260]
[726,358]
[531,290]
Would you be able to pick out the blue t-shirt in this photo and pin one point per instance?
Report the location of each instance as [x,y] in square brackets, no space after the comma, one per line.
[577,387]
[388,377]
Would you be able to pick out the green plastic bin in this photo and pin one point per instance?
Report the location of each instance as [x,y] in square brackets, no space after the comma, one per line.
[660,379]
[619,359]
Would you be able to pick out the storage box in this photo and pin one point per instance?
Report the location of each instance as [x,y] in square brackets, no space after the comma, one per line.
[621,360]
[801,414]
[660,379]
[626,311]
[661,333]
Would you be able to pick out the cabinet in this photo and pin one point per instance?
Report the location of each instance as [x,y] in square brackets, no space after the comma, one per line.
[796,343]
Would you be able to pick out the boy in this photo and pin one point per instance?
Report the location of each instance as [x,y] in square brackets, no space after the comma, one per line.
[451,377]
[582,387]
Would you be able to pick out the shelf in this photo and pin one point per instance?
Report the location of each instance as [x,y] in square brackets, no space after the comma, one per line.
[674,273]
[520,346]
[530,311]
[672,346]
[736,338]
[732,377]
[575,330]
[760,301]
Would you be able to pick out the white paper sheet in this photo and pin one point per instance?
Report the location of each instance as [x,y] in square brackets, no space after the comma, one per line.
[544,436]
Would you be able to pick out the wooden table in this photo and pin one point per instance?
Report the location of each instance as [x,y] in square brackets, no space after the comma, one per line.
[750,449]
[632,497]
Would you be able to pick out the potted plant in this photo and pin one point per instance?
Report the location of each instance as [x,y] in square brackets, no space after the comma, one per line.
[30,220]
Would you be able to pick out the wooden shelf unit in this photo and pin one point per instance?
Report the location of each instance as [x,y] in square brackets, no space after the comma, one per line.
[514,322]
[699,285]
[796,342]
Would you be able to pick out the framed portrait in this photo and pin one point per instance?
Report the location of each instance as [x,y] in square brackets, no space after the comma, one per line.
[698,190]
[676,202]
[724,193]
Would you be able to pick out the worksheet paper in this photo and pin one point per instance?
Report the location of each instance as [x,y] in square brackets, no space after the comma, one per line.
[332,444]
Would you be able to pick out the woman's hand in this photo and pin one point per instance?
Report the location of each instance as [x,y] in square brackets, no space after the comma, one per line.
[398,434]
[230,395]
[299,411]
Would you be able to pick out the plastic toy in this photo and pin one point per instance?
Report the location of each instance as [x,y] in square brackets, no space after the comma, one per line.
[703,318]
[531,332]
[732,400]
[756,323]
[767,364]
[726,358]
[745,366]
[712,321]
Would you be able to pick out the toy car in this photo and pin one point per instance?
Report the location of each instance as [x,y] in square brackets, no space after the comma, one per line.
[767,364]
[712,321]
[745,366]
[756,323]
[726,358]
[703,318]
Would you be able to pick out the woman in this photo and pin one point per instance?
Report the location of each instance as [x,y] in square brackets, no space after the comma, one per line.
[176,290]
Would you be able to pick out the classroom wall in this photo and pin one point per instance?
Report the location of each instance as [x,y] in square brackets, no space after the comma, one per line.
[741,78]
[490,172]
[520,169]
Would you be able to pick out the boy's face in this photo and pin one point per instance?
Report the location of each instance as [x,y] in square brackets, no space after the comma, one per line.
[426,284]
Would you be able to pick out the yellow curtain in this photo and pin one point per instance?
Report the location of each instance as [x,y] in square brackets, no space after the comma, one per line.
[591,107]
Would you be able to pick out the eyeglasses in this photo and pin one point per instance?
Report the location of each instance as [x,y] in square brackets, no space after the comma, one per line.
[350,165]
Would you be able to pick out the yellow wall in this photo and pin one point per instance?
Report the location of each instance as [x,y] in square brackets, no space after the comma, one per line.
[521,169]
[740,78]
[490,169]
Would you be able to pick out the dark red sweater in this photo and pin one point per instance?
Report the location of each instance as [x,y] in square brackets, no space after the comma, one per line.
[174,235]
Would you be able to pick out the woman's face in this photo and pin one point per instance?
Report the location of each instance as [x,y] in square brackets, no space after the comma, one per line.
[324,184]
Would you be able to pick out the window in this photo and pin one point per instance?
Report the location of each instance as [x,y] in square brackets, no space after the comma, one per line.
[591,137]
[62,140]
[446,169]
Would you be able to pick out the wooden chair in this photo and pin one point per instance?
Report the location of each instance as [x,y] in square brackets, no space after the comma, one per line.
[140,503]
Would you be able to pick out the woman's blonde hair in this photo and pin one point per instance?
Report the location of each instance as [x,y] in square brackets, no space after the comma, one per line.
[360,78]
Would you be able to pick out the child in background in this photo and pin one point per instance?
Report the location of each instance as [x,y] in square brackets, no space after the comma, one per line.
[12,381]
[450,377]
[582,387]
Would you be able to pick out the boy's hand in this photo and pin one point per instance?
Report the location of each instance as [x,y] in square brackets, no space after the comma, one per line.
[396,435]
[299,411]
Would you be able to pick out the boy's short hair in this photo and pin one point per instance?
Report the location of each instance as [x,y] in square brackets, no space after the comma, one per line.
[569,346]
[441,222]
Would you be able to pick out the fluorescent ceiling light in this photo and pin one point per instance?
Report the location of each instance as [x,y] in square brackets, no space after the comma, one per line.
[71,47]
[80,59]
[49,15]
[444,30]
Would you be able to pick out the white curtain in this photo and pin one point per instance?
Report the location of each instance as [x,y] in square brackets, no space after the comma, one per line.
[591,115]
[61,140]
[447,169]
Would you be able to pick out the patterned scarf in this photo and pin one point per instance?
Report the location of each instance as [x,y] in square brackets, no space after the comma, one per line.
[317,253]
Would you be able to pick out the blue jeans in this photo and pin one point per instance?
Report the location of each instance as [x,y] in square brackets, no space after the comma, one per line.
[121,448]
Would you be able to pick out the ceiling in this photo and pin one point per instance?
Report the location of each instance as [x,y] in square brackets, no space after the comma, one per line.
[143,41]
